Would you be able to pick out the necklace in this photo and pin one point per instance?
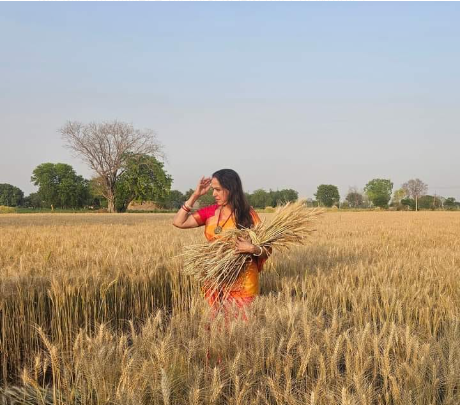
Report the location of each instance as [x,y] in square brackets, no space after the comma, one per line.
[218,228]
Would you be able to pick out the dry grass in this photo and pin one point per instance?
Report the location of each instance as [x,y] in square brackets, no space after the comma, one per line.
[367,314]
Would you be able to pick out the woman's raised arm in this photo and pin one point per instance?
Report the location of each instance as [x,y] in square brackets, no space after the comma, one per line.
[183,219]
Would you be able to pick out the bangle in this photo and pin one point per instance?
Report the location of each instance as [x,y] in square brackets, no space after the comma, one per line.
[185,208]
[261,251]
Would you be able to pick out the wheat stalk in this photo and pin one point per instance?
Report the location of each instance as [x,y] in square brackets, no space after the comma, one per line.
[217,266]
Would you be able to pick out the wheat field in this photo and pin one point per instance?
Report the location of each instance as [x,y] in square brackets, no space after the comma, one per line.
[94,309]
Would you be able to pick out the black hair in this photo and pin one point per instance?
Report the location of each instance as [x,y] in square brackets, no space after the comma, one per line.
[230,180]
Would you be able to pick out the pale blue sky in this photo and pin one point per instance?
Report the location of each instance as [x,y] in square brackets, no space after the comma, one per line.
[291,95]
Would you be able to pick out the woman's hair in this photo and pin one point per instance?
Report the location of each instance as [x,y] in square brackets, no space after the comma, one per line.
[230,181]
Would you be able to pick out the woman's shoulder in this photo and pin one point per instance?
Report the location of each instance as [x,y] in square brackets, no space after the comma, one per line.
[209,208]
[202,214]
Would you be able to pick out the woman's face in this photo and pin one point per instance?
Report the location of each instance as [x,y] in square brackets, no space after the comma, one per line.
[220,194]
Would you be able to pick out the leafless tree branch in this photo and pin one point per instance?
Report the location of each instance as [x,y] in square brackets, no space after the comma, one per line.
[105,147]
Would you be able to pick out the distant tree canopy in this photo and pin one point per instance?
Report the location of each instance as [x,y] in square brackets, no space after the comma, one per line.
[143,179]
[33,200]
[173,200]
[261,198]
[327,195]
[398,196]
[429,202]
[379,192]
[59,186]
[11,196]
[258,199]
[451,204]
[409,203]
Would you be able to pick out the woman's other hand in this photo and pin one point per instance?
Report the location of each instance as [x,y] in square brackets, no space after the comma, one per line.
[203,186]
[243,245]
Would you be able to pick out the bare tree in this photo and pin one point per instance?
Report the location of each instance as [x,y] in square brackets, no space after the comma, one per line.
[105,148]
[415,189]
[354,197]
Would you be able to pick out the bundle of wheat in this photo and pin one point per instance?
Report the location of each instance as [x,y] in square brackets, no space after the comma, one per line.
[217,266]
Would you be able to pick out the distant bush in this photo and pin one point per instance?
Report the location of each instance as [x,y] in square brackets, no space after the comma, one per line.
[7,210]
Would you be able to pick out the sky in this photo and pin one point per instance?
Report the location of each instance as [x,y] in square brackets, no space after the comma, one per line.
[290,95]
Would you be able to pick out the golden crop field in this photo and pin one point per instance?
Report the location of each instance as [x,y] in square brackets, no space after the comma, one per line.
[94,310]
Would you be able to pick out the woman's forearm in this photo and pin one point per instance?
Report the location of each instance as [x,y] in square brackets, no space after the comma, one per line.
[182,215]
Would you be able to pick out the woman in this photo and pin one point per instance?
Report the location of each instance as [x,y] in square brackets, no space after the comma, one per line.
[231,210]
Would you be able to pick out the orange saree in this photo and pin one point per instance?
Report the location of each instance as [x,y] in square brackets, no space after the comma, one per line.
[246,287]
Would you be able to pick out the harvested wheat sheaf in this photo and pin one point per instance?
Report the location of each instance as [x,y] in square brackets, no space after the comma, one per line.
[217,266]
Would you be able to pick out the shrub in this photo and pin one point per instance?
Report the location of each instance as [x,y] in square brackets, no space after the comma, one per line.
[7,210]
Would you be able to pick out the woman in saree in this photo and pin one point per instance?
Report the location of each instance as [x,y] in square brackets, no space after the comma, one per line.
[231,210]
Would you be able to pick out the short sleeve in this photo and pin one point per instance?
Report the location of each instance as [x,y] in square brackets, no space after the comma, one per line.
[204,213]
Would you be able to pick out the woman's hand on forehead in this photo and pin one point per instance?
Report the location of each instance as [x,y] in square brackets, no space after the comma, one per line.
[203,186]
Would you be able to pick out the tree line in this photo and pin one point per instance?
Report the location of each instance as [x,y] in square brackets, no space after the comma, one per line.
[145,179]
[412,195]
[127,166]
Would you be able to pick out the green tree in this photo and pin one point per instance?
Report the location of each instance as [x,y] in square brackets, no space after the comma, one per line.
[33,200]
[279,197]
[60,186]
[10,195]
[97,199]
[172,201]
[409,203]
[44,176]
[398,196]
[143,179]
[328,195]
[379,192]
[72,189]
[271,198]
[260,198]
[429,202]
[450,203]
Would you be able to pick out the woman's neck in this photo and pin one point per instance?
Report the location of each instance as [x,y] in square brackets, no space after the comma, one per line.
[226,209]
